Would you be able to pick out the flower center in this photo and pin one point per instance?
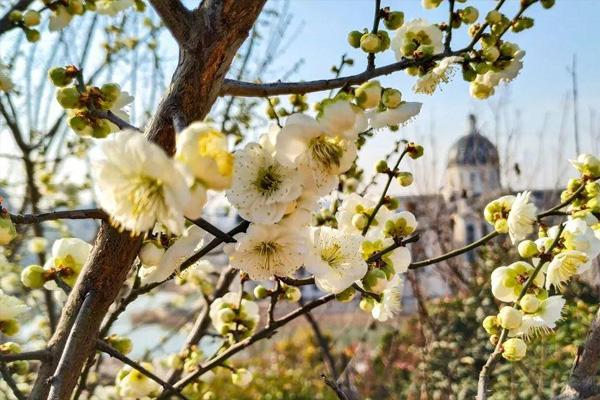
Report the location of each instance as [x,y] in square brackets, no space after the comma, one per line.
[146,194]
[326,150]
[332,255]
[268,251]
[213,145]
[269,180]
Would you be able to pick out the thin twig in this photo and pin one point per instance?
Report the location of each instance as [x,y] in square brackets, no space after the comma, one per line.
[11,382]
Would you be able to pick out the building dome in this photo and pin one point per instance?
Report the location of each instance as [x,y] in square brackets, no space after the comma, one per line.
[473,149]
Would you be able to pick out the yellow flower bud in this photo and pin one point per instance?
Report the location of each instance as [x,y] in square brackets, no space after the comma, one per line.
[530,303]
[528,249]
[33,276]
[514,349]
[31,18]
[509,317]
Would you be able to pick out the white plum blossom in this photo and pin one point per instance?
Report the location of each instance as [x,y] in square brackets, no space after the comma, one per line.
[354,212]
[268,250]
[391,300]
[175,255]
[563,266]
[587,164]
[441,73]
[393,116]
[334,258]
[319,154]
[11,307]
[507,282]
[577,235]
[204,151]
[68,256]
[521,217]
[133,385]
[484,84]
[263,189]
[138,185]
[413,35]
[342,118]
[543,320]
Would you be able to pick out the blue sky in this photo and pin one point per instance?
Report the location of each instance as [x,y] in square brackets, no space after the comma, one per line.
[536,113]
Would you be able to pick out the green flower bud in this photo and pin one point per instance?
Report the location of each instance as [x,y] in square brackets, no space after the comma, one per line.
[375,280]
[226,315]
[78,124]
[431,4]
[122,344]
[354,39]
[415,150]
[514,349]
[31,18]
[371,43]
[110,92]
[32,35]
[493,17]
[346,296]
[392,204]
[19,367]
[480,91]
[359,221]
[10,348]
[528,249]
[102,129]
[33,276]
[7,231]
[508,49]
[501,226]
[293,294]
[490,324]
[366,304]
[260,292]
[405,178]
[530,303]
[385,40]
[392,98]
[468,15]
[75,7]
[468,73]
[382,167]
[491,53]
[68,97]
[10,327]
[547,3]
[509,317]
[394,20]
[60,77]
[522,23]
[15,16]
[368,94]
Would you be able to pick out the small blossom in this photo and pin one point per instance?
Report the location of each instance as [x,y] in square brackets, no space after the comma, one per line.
[587,164]
[334,258]
[514,349]
[344,119]
[354,213]
[563,266]
[391,300]
[231,313]
[241,377]
[507,282]
[268,250]
[262,188]
[416,37]
[37,244]
[69,255]
[138,185]
[521,218]
[11,307]
[543,319]
[441,73]
[132,384]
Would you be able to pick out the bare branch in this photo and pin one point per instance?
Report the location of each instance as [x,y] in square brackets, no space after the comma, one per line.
[335,387]
[92,213]
[37,355]
[176,18]
[5,22]
[112,117]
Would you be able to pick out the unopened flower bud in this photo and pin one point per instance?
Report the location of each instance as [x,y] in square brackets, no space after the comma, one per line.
[32,35]
[375,280]
[415,150]
[491,53]
[68,97]
[493,17]
[122,344]
[33,276]
[494,339]
[509,317]
[382,167]
[514,349]
[405,178]
[522,23]
[468,15]
[368,94]
[75,7]
[501,226]
[394,20]
[490,324]
[528,249]
[260,292]
[15,16]
[366,304]
[226,315]
[431,4]
[468,73]
[241,377]
[102,129]
[111,91]
[530,303]
[359,221]
[508,49]
[481,91]
[547,3]
[31,18]
[19,367]
[60,77]
[293,294]
[392,98]
[10,348]
[151,253]
[370,43]
[9,327]
[354,39]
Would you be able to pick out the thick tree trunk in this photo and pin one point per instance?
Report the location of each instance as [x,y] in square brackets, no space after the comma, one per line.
[213,33]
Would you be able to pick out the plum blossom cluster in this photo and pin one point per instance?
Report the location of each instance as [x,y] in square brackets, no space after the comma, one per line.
[531,287]
[64,11]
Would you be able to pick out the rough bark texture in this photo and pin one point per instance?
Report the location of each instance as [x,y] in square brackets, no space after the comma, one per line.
[217,30]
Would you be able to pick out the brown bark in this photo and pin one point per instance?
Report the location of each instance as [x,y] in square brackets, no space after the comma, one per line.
[217,30]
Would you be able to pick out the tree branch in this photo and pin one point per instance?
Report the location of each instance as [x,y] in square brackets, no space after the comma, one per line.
[92,213]
[6,375]
[176,18]
[5,23]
